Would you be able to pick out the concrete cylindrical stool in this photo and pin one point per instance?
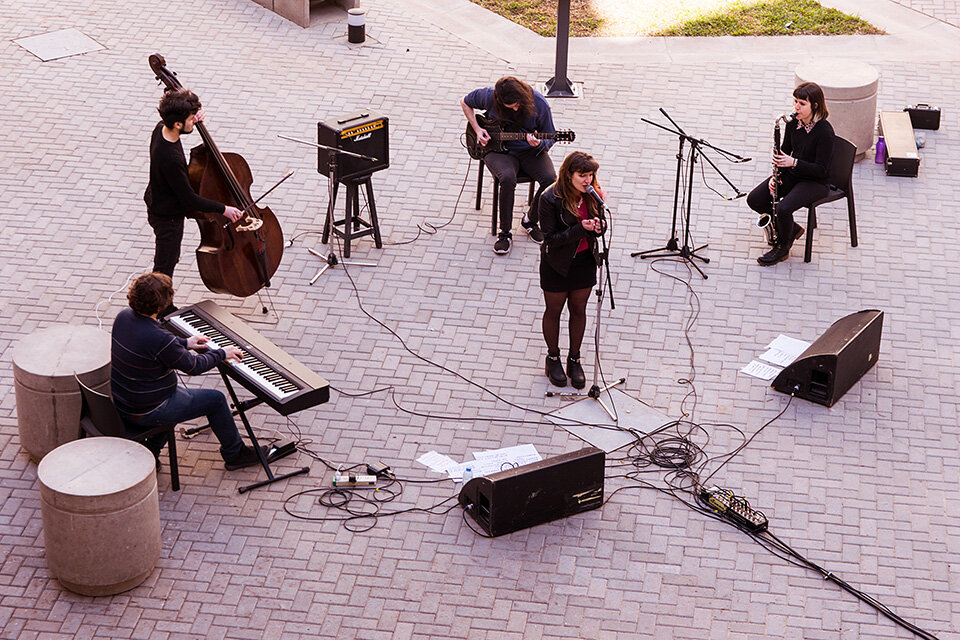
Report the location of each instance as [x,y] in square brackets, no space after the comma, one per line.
[850,90]
[101,514]
[48,398]
[356,25]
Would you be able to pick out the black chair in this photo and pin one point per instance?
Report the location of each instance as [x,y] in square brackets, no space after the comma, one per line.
[522,178]
[98,417]
[840,179]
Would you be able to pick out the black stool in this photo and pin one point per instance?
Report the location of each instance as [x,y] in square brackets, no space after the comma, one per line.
[522,178]
[353,225]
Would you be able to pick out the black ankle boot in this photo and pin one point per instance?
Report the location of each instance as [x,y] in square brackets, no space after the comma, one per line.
[577,379]
[554,371]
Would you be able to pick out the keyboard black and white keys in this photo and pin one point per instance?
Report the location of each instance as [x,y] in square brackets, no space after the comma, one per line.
[266,370]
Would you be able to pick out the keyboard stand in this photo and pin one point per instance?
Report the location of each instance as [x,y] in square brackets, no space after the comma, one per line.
[241,411]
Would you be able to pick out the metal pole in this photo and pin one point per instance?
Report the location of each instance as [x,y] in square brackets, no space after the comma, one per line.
[559,86]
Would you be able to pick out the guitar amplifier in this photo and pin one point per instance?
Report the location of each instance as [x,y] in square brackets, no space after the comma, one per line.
[363,132]
[903,158]
[536,493]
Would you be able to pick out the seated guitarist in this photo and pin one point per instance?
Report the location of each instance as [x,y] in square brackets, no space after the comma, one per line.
[516,107]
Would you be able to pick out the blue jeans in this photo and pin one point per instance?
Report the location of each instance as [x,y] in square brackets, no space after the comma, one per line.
[187,404]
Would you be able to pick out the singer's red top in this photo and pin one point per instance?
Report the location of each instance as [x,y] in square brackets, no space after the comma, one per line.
[582,210]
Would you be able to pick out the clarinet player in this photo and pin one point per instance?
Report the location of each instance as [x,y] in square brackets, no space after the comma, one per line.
[800,170]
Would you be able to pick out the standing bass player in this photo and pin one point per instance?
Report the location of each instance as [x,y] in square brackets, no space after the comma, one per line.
[800,167]
[516,107]
[169,195]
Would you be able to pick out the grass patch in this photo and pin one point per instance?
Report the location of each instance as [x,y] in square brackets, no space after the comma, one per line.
[540,16]
[773,18]
[682,17]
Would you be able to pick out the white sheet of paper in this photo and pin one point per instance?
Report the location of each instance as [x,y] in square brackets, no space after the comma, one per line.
[760,370]
[492,461]
[437,461]
[480,468]
[518,455]
[783,350]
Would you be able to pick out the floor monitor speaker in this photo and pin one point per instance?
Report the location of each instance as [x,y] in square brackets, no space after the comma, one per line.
[536,493]
[834,363]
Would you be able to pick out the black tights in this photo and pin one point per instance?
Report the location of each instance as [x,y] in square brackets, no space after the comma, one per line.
[576,302]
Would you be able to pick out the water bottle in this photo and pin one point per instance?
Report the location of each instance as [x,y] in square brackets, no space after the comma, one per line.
[467,475]
[881,154]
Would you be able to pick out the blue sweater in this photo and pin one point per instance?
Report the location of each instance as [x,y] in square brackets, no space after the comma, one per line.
[143,358]
[541,122]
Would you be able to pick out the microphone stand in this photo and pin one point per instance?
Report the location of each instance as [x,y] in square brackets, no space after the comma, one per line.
[604,283]
[332,154]
[672,248]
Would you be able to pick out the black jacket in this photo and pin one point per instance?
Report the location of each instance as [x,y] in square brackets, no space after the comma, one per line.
[562,233]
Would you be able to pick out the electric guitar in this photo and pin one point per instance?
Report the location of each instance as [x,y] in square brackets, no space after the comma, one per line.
[498,136]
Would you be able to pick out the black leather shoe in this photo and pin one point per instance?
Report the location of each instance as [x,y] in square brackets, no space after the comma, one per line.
[797,232]
[554,371]
[577,379]
[775,255]
[246,457]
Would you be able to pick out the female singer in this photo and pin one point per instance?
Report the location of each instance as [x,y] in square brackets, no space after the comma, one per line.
[802,167]
[571,223]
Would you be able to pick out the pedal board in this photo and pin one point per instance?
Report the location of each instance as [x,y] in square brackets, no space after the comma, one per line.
[734,508]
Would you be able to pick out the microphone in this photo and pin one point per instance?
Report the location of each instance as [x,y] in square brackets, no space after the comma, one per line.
[596,196]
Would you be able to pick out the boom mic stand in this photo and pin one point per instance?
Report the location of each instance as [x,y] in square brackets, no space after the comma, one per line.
[332,154]
[672,248]
[595,388]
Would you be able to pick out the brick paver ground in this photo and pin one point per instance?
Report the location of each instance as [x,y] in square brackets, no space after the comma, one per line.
[868,488]
[946,10]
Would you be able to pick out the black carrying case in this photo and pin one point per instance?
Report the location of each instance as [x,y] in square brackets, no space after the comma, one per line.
[923,116]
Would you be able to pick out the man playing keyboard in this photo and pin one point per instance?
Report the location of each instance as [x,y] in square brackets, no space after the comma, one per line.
[144,356]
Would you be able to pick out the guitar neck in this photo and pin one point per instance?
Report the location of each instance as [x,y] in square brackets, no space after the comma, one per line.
[503,136]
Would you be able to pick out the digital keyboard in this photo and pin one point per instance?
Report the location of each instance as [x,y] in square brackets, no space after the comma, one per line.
[266,370]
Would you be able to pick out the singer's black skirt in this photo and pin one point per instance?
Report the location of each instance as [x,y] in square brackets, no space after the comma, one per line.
[582,274]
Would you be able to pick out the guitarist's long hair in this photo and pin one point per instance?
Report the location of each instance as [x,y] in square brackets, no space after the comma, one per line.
[510,90]
[576,162]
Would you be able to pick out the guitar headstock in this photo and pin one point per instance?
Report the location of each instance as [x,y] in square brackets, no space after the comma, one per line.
[564,135]
[164,75]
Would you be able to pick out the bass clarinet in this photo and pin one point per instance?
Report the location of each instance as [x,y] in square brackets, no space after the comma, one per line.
[767,222]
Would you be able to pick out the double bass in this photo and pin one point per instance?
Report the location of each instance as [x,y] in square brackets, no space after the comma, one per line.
[240,257]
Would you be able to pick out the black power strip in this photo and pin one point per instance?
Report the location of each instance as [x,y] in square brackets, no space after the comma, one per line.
[734,508]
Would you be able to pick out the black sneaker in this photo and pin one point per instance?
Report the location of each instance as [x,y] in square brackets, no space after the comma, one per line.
[503,244]
[532,230]
[775,255]
[246,457]
[554,371]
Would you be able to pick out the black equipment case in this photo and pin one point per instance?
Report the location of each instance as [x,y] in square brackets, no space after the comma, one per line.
[923,116]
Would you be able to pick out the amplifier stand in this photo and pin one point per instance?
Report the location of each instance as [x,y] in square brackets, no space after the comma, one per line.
[353,225]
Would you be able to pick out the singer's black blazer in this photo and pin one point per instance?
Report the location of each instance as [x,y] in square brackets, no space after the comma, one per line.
[562,233]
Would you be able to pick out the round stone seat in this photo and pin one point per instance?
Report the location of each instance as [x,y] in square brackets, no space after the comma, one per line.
[101,514]
[48,398]
[850,90]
